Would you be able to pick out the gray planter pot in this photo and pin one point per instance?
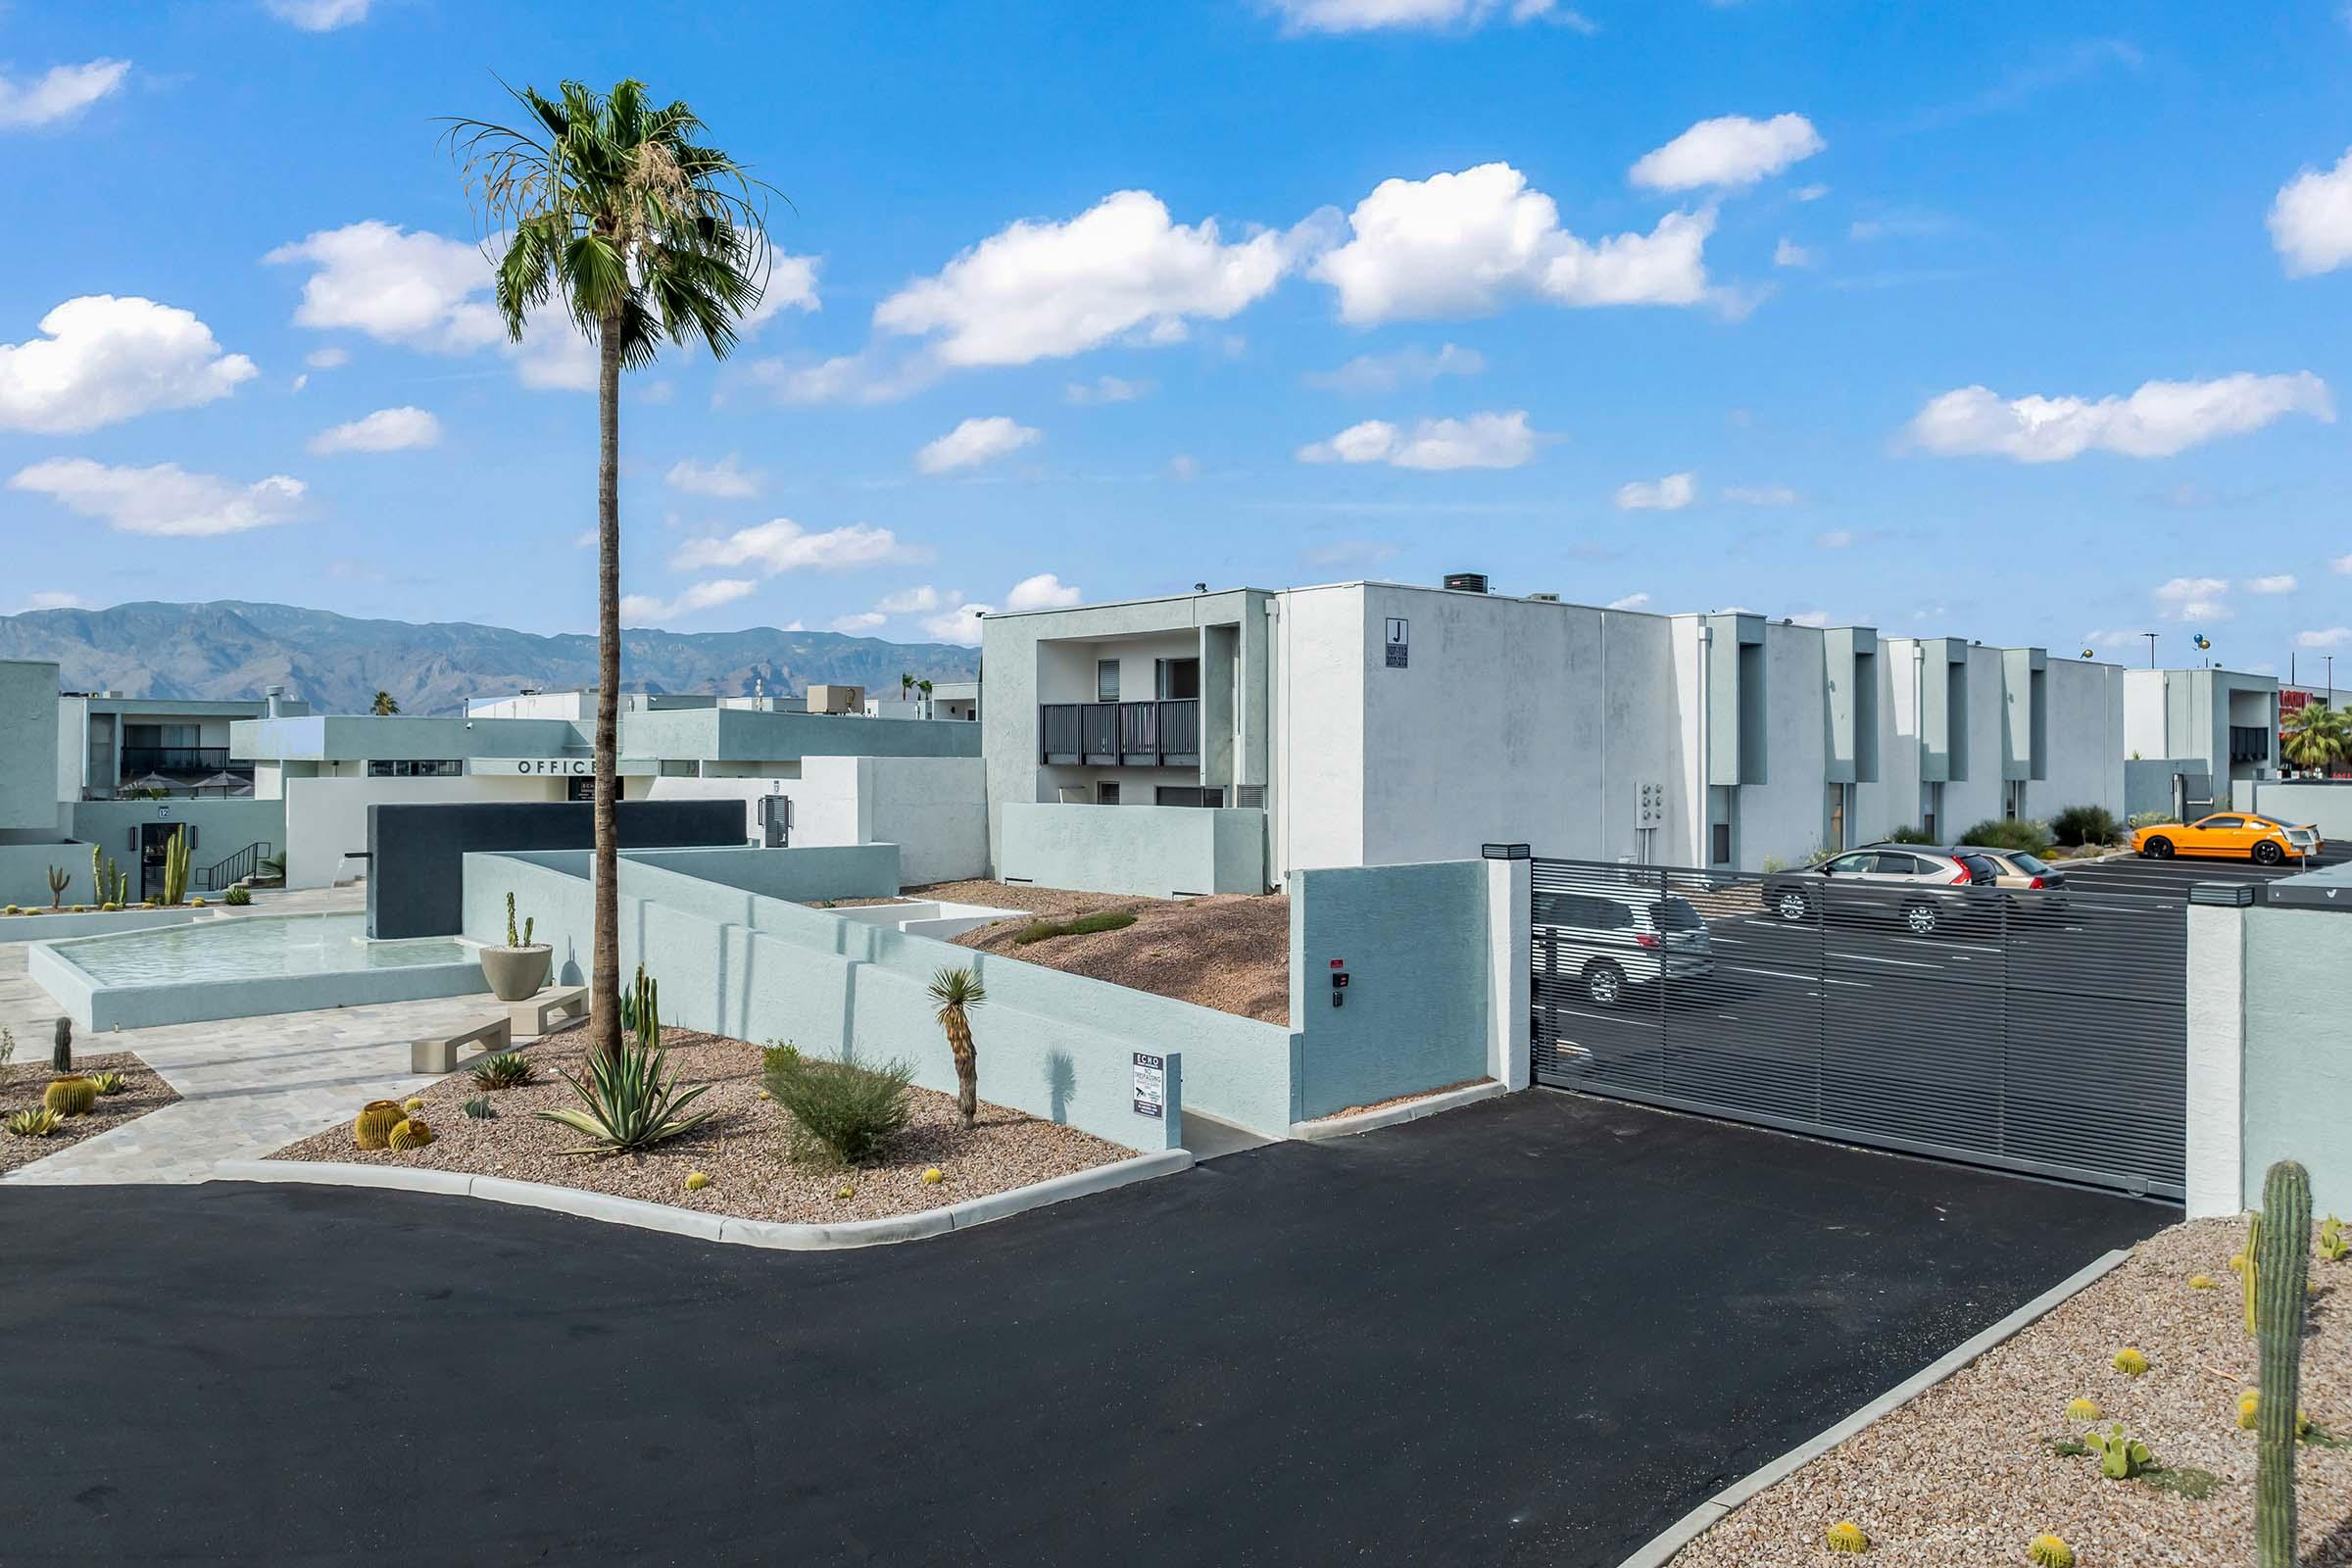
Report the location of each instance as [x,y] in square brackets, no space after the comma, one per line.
[515,974]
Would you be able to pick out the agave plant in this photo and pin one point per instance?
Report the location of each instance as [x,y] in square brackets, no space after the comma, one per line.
[38,1122]
[630,1102]
[109,1083]
[506,1070]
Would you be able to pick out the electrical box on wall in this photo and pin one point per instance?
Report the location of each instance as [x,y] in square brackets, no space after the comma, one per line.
[775,821]
[1339,982]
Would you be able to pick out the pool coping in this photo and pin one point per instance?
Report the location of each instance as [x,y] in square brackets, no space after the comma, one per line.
[101,1006]
[775,1235]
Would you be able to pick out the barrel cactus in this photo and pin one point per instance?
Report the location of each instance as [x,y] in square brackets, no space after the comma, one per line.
[409,1132]
[2129,1362]
[1846,1536]
[70,1097]
[695,1181]
[375,1123]
[2282,1269]
[2048,1551]
[2082,1410]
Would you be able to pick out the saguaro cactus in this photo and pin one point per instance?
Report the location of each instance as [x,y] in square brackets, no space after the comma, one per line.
[59,880]
[2282,1261]
[175,867]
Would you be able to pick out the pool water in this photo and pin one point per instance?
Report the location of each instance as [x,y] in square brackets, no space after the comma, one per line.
[252,947]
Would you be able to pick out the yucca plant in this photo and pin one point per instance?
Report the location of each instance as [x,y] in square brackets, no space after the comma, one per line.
[630,1101]
[958,991]
[506,1070]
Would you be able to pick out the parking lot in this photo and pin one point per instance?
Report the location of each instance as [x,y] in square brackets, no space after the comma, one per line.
[2172,878]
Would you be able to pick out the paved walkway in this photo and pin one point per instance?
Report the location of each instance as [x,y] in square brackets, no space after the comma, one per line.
[248,1085]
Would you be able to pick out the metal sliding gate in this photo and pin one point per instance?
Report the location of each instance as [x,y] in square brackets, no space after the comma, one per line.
[2030,1031]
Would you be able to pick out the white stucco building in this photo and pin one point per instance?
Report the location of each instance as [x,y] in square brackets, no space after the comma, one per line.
[1369,723]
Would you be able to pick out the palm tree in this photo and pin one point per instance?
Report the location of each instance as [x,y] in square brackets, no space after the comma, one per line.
[958,991]
[924,687]
[2318,736]
[906,687]
[614,206]
[384,705]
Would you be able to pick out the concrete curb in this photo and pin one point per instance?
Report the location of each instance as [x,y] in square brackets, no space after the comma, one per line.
[1663,1548]
[1364,1121]
[676,1221]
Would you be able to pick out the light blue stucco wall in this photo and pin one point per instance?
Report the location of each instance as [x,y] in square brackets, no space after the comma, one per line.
[1147,850]
[25,872]
[222,826]
[341,737]
[2148,781]
[1414,941]
[747,735]
[2297,1076]
[27,744]
[798,875]
[1053,1045]
[2325,805]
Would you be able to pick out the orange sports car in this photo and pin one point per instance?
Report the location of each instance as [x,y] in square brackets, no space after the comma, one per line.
[2230,835]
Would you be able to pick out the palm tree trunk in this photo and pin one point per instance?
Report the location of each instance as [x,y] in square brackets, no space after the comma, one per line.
[967,1068]
[604,994]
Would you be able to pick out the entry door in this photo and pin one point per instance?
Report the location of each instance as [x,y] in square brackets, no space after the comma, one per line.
[155,845]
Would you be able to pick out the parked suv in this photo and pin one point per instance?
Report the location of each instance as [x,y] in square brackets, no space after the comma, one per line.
[1935,871]
[1615,938]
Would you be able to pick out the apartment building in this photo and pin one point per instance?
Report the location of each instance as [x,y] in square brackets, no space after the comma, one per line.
[2190,734]
[1243,732]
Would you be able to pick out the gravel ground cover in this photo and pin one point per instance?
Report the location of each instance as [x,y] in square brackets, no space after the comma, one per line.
[1057,903]
[20,1089]
[1964,1475]
[1230,952]
[741,1149]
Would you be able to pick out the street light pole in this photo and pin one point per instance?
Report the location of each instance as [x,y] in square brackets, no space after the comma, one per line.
[2152,637]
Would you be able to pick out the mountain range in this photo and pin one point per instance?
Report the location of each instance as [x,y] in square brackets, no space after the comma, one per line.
[229,648]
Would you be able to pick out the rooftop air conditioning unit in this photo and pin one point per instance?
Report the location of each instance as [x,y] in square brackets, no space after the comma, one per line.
[1467,582]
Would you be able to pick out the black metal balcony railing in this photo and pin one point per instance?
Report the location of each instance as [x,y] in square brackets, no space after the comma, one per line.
[1160,734]
[139,759]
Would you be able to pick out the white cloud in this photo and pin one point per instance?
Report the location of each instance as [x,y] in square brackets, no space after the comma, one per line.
[1045,290]
[638,610]
[1481,441]
[585,539]
[1469,243]
[59,94]
[1184,467]
[2331,637]
[864,377]
[55,599]
[862,621]
[791,286]
[916,601]
[1730,151]
[724,481]
[2283,583]
[958,623]
[974,441]
[1630,602]
[1789,253]
[327,359]
[1809,193]
[1366,15]
[1670,494]
[2157,420]
[320,15]
[1385,373]
[417,289]
[1762,495]
[2342,565]
[1106,389]
[385,430]
[1835,539]
[165,500]
[2310,219]
[1811,617]
[2193,598]
[104,358]
[782,545]
[1044,591]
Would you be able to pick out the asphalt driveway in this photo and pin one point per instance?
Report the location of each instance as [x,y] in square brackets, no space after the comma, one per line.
[1536,1329]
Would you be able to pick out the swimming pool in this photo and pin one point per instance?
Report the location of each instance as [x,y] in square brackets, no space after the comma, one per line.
[243,966]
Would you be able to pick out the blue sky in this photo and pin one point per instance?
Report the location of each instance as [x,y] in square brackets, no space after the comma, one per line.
[1677,303]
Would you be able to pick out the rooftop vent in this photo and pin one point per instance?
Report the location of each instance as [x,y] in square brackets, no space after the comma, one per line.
[1467,582]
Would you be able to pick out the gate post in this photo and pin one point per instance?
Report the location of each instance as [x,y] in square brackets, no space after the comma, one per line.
[1511,962]
[2217,1047]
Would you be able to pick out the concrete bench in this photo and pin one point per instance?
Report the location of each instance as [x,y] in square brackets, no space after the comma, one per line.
[440,1056]
[532,1017]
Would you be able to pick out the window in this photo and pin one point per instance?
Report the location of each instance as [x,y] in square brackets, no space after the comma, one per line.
[2223,821]
[1189,795]
[1899,865]
[1106,792]
[1836,824]
[1179,680]
[402,768]
[1106,681]
[1719,844]
[1852,864]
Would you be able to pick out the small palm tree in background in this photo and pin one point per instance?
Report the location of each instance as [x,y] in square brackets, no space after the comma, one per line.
[614,205]
[2316,736]
[384,705]
[924,687]
[958,991]
[906,687]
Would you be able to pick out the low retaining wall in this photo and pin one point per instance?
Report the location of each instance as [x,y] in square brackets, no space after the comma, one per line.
[1156,852]
[1057,1046]
[801,875]
[98,922]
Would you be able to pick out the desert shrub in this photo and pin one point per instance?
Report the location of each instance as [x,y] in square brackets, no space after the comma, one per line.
[2152,818]
[2014,833]
[842,1112]
[1084,925]
[236,898]
[1910,835]
[2085,824]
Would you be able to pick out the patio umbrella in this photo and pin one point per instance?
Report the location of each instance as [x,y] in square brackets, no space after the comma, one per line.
[226,783]
[152,781]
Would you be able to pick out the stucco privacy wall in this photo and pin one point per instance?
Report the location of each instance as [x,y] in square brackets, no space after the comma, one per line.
[2297,1077]
[1147,850]
[1055,1045]
[29,759]
[222,827]
[798,875]
[25,872]
[934,809]
[2325,805]
[1414,943]
[326,818]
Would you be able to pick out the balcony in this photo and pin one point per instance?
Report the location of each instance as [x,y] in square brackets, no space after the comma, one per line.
[2250,743]
[1161,734]
[138,760]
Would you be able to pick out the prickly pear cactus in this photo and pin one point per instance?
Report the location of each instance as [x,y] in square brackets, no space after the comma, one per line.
[375,1123]
[2282,1267]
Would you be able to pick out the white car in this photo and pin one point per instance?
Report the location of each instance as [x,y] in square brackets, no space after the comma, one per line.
[1614,938]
